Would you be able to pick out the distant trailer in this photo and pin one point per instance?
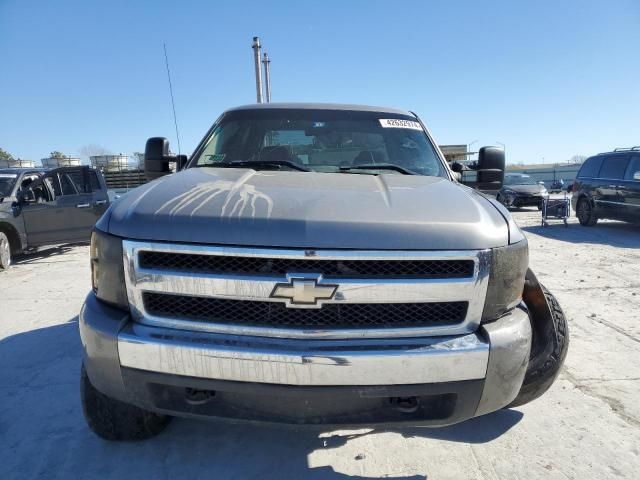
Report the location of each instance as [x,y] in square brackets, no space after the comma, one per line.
[54,162]
[110,163]
[124,180]
[17,163]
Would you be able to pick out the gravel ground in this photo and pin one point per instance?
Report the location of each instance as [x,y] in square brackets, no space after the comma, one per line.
[586,427]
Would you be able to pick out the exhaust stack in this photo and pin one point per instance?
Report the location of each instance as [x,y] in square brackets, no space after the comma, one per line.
[267,78]
[256,61]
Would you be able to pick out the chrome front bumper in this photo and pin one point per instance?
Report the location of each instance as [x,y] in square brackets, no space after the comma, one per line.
[303,362]
[495,358]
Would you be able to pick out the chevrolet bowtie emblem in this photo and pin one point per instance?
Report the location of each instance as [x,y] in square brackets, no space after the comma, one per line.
[303,292]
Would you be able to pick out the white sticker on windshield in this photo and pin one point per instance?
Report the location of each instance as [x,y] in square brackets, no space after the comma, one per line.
[399,123]
[8,175]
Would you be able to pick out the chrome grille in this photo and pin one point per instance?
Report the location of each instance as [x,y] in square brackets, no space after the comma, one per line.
[237,265]
[378,294]
[273,314]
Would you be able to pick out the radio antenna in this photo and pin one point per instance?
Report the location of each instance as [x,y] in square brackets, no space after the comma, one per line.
[173,105]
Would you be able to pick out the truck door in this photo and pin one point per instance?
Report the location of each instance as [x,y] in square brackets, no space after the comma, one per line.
[45,220]
[78,198]
[99,193]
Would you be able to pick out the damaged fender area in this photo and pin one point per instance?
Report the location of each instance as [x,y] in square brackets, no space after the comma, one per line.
[550,340]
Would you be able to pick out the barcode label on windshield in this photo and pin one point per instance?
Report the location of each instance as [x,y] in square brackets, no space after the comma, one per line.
[398,123]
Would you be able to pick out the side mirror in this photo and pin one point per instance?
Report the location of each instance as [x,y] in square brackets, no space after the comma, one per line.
[157,158]
[490,168]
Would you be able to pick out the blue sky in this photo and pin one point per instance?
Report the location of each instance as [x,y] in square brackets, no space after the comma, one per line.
[550,79]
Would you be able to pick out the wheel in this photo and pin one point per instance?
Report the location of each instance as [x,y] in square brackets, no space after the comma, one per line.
[115,420]
[5,251]
[547,359]
[585,214]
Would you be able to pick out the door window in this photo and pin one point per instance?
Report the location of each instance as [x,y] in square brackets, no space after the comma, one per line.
[77,177]
[590,167]
[73,182]
[93,181]
[634,166]
[53,184]
[66,185]
[613,167]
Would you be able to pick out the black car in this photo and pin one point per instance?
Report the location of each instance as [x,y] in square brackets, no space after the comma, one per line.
[608,186]
[521,190]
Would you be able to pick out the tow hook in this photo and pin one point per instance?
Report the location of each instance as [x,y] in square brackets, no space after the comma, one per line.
[404,404]
[194,396]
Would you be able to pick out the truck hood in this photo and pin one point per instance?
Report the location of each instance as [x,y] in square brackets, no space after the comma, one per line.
[232,206]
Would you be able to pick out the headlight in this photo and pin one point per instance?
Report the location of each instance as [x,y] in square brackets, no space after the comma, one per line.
[506,279]
[107,269]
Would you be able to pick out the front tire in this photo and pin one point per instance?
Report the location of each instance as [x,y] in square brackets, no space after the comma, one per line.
[585,213]
[543,371]
[114,420]
[5,252]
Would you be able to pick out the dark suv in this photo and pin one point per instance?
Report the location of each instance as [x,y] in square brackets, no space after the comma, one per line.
[608,186]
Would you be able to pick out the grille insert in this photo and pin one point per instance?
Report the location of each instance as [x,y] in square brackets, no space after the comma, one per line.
[330,316]
[193,262]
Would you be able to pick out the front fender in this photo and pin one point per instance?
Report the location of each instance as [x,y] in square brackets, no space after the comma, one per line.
[549,342]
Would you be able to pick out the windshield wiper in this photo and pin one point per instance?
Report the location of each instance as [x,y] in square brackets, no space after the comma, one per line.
[260,163]
[383,166]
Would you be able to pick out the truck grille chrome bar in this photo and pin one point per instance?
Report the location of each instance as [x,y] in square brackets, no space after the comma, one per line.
[236,265]
[377,293]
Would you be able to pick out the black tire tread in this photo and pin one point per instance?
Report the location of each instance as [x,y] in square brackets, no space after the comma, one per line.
[592,220]
[538,381]
[113,420]
[6,238]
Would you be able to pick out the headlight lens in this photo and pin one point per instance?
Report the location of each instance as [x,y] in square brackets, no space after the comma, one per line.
[107,269]
[506,279]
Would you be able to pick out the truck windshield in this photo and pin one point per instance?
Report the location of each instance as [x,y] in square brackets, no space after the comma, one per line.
[322,141]
[7,180]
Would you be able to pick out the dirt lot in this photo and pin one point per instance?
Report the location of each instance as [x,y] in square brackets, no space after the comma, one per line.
[586,427]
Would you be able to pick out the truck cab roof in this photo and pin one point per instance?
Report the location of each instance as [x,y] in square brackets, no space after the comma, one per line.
[321,106]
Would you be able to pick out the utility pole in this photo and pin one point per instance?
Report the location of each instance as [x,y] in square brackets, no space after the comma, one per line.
[267,78]
[256,61]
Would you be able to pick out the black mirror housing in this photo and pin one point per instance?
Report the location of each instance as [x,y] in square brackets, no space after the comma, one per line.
[157,158]
[490,168]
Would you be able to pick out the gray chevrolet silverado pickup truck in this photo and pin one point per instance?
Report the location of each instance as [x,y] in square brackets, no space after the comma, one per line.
[312,264]
[41,207]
